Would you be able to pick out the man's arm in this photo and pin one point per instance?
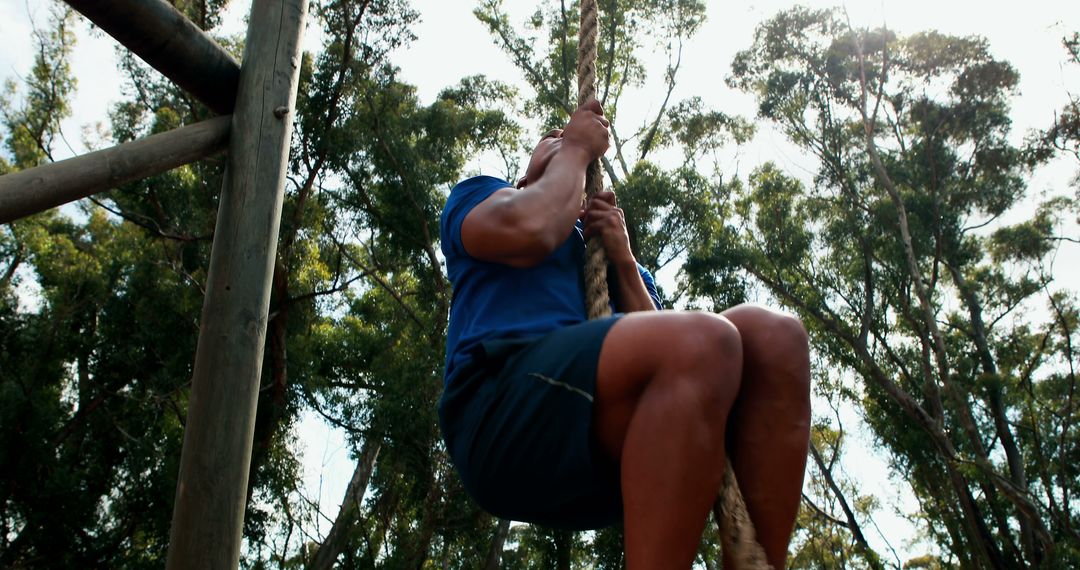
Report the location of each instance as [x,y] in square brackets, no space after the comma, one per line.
[632,295]
[604,218]
[521,228]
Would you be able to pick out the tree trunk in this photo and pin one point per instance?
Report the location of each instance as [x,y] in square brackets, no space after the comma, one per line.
[563,546]
[997,410]
[337,538]
[384,511]
[495,552]
[936,343]
[428,522]
[981,541]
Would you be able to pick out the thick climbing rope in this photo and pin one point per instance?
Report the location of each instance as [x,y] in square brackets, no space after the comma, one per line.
[596,291]
[736,529]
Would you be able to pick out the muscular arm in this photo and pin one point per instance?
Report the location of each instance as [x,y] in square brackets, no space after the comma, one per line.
[521,228]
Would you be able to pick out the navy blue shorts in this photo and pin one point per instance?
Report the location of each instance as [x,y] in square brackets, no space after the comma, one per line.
[518,424]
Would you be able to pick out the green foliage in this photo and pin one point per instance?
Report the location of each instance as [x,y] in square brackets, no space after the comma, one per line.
[539,548]
[34,125]
[105,398]
[359,300]
[545,47]
[697,130]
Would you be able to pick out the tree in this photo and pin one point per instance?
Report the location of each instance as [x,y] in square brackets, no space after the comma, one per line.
[883,259]
[80,451]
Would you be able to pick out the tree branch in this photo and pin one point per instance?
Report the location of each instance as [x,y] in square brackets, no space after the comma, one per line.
[150,224]
[646,144]
[821,513]
[374,276]
[852,523]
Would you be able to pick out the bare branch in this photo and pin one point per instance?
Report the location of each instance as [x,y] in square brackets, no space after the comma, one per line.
[9,272]
[337,289]
[150,225]
[821,513]
[672,71]
[332,114]
[852,522]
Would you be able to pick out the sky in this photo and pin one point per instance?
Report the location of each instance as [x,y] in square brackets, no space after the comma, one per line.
[452,44]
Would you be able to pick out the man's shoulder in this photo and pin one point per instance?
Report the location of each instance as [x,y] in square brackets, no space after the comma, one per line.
[477,184]
[471,191]
[463,198]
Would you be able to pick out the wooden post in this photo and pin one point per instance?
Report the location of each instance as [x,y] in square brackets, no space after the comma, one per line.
[211,491]
[158,33]
[36,189]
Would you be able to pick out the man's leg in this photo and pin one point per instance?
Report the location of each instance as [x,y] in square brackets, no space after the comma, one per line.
[769,426]
[665,384]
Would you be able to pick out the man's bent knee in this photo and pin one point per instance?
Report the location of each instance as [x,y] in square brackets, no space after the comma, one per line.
[790,349]
[707,360]
[708,339]
[777,346]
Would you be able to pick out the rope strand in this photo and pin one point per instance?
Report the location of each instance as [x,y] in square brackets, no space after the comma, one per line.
[597,299]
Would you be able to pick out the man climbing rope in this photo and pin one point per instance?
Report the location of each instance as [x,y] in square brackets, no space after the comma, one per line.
[560,421]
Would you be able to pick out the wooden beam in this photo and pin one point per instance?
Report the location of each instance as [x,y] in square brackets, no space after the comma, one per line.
[37,189]
[164,38]
[211,491]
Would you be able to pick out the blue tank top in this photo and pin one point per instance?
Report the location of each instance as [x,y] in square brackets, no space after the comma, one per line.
[492,300]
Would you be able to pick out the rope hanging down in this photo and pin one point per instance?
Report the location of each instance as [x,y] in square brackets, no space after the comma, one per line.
[736,528]
[597,301]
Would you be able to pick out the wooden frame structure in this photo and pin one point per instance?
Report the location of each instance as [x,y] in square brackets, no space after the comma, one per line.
[211,492]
